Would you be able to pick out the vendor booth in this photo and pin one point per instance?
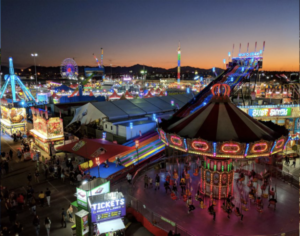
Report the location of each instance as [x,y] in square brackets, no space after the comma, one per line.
[107,211]
[13,120]
[47,132]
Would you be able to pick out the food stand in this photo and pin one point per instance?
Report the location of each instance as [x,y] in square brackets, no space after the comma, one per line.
[47,132]
[107,211]
[13,120]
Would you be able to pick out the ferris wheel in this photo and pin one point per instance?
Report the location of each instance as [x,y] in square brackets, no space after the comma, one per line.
[69,69]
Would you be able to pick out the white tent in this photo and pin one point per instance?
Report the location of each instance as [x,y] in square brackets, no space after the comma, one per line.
[86,114]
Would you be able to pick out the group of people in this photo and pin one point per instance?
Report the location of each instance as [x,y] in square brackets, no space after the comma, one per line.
[18,202]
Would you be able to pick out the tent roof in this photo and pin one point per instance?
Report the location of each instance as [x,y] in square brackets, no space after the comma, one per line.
[114,95]
[148,95]
[123,109]
[63,87]
[91,148]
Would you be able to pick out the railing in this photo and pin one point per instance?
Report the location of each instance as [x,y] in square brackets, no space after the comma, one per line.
[156,219]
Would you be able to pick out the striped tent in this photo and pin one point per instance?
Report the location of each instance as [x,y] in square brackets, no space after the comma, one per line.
[219,121]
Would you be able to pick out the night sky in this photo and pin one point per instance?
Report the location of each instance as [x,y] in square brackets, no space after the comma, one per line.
[148,31]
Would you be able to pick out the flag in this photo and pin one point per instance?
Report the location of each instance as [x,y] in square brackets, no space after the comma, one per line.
[240,48]
[255,46]
[247,47]
[264,46]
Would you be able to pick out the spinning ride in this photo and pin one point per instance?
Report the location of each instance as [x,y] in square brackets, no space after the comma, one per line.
[69,69]
[220,132]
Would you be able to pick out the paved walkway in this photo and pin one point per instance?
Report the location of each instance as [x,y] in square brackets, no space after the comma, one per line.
[285,218]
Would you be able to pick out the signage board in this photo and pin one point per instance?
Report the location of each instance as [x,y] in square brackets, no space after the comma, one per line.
[264,112]
[110,209]
[104,188]
[82,196]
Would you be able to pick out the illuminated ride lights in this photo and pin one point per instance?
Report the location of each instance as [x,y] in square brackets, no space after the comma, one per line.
[199,145]
[273,147]
[247,148]
[176,141]
[230,148]
[259,147]
[279,143]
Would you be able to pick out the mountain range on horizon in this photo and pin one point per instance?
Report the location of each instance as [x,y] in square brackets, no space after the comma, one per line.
[135,69]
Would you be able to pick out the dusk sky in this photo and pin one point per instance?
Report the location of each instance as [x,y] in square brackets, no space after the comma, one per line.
[148,31]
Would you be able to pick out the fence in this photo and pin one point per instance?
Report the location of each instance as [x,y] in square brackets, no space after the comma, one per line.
[155,219]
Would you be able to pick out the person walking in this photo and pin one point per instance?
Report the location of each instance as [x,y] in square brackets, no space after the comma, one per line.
[294,163]
[146,181]
[129,177]
[157,181]
[18,228]
[36,223]
[10,154]
[48,195]
[42,198]
[37,176]
[47,225]
[63,218]
[190,205]
[29,178]
[70,214]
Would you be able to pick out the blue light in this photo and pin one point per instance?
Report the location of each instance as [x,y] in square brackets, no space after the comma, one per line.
[247,147]
[196,77]
[131,125]
[229,54]
[243,69]
[224,61]
[10,58]
[104,135]
[260,51]
[185,144]
[213,69]
[188,90]
[201,79]
[215,148]
[231,79]
[273,146]
[154,117]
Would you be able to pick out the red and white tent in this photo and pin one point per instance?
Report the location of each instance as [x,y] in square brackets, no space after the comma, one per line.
[91,94]
[148,95]
[114,96]
[128,95]
[220,120]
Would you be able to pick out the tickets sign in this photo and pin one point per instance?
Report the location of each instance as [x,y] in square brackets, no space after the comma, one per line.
[108,209]
[263,112]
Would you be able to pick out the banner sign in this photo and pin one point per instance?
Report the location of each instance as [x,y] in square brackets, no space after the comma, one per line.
[107,210]
[104,188]
[263,112]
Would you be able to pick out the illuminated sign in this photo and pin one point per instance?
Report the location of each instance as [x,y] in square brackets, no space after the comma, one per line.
[198,145]
[261,112]
[251,54]
[108,209]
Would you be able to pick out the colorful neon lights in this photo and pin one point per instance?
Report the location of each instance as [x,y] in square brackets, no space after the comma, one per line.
[176,141]
[230,148]
[199,145]
[247,148]
[270,112]
[215,149]
[279,143]
[184,140]
[273,147]
[259,147]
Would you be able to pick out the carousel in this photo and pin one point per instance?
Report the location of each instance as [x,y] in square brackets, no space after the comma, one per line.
[219,132]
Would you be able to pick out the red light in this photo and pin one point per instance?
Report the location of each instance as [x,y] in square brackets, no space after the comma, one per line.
[176,141]
[162,135]
[230,148]
[279,143]
[259,147]
[198,145]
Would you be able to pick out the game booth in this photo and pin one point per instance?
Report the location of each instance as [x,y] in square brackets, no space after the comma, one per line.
[13,120]
[47,132]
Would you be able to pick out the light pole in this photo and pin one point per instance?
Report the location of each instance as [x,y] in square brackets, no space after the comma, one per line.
[111,71]
[97,159]
[137,149]
[34,55]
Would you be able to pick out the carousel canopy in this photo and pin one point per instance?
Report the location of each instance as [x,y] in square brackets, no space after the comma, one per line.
[220,120]
[220,129]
